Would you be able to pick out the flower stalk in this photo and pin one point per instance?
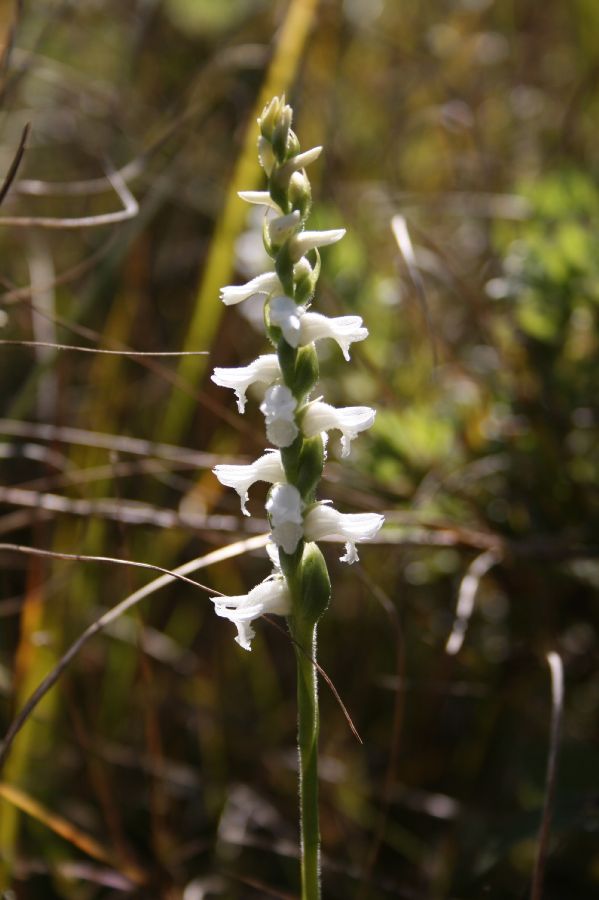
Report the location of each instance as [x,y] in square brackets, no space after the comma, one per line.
[299,586]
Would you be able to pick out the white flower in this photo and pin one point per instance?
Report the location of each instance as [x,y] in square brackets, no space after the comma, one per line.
[284,227]
[270,596]
[349,420]
[308,240]
[301,160]
[267,468]
[286,315]
[279,411]
[264,369]
[284,507]
[343,329]
[261,284]
[300,326]
[260,198]
[324,521]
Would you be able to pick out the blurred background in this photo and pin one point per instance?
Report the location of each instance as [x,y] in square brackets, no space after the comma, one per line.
[470,127]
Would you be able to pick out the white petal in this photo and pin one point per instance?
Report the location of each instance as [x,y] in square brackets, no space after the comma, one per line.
[261,284]
[270,596]
[284,504]
[284,227]
[324,521]
[301,160]
[281,432]
[284,507]
[308,240]
[349,420]
[345,330]
[239,378]
[286,315]
[267,468]
[259,198]
[278,408]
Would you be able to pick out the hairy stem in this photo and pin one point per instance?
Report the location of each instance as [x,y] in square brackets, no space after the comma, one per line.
[307,739]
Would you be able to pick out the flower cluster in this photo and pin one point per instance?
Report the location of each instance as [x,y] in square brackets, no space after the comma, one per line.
[296,425]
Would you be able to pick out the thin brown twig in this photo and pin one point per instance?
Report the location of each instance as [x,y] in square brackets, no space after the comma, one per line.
[223,553]
[556,670]
[129,512]
[111,560]
[322,673]
[129,211]
[118,443]
[15,164]
[151,353]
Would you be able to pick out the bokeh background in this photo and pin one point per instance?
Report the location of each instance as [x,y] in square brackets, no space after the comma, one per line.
[471,126]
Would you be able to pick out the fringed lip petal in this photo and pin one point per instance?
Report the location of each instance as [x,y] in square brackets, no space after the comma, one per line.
[265,369]
[322,521]
[345,330]
[270,596]
[267,468]
[349,420]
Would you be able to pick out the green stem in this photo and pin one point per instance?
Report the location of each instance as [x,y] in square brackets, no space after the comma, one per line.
[307,739]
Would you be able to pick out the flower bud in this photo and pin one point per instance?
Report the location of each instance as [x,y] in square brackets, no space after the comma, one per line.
[271,117]
[300,193]
[315,588]
[280,135]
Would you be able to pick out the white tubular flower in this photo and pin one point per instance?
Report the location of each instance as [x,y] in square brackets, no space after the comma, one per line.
[301,160]
[322,521]
[265,369]
[279,411]
[270,596]
[267,468]
[308,240]
[261,284]
[286,315]
[284,227]
[349,420]
[345,330]
[259,198]
[284,507]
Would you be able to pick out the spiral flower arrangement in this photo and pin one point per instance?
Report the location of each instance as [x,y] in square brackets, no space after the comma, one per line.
[299,585]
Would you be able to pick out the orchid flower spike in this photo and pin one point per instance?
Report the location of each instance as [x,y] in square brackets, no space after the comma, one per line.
[296,425]
[270,596]
[264,369]
[267,468]
[349,420]
[322,521]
